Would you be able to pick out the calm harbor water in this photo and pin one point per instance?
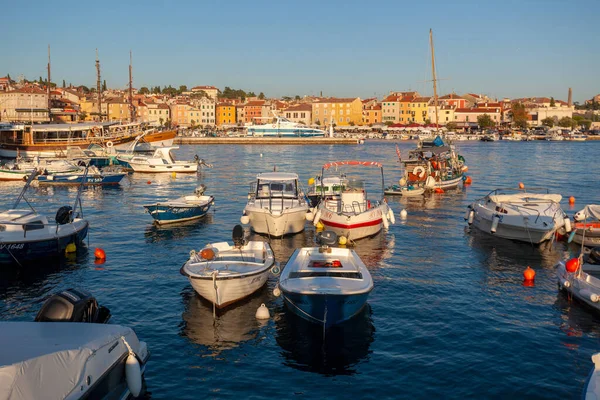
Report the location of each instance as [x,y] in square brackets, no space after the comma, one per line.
[448,317]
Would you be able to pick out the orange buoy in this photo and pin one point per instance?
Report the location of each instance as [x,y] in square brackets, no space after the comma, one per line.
[438,190]
[207,253]
[149,182]
[99,254]
[571,200]
[529,274]
[468,181]
[572,265]
[99,261]
[521,185]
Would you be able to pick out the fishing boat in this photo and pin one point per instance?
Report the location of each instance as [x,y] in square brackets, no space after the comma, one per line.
[161,161]
[224,273]
[325,285]
[20,168]
[185,208]
[93,176]
[26,235]
[283,127]
[586,230]
[71,352]
[352,214]
[580,277]
[530,215]
[276,206]
[52,140]
[329,187]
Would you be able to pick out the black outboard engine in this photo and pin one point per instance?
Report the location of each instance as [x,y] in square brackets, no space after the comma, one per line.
[63,215]
[327,238]
[73,305]
[238,236]
[593,257]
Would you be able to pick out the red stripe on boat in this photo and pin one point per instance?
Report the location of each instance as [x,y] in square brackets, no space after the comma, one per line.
[351,226]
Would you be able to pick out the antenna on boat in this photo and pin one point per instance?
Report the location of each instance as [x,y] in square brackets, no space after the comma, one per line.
[48,85]
[131,107]
[98,87]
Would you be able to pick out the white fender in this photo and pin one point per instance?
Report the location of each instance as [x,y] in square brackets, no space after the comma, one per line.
[386,223]
[586,294]
[471,217]
[567,224]
[467,213]
[430,182]
[133,375]
[317,217]
[245,220]
[564,283]
[495,222]
[390,215]
[310,216]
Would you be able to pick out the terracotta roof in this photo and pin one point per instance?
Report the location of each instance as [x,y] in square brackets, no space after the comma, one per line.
[451,96]
[225,105]
[204,87]
[163,106]
[392,98]
[478,110]
[337,100]
[255,103]
[376,107]
[300,107]
[421,100]
[28,89]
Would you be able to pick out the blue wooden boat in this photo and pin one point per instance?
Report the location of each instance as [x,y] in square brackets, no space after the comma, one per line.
[93,177]
[27,236]
[185,208]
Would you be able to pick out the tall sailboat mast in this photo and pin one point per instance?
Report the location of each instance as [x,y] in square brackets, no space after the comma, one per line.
[48,85]
[131,107]
[98,87]
[435,96]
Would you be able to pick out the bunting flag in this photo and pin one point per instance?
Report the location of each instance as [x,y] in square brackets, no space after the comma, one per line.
[398,153]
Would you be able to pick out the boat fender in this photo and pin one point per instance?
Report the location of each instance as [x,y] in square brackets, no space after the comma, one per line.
[133,372]
[275,269]
[564,283]
[310,216]
[495,222]
[586,294]
[419,171]
[467,213]
[571,236]
[317,218]
[567,222]
[471,217]
[245,220]
[390,215]
[386,223]
[109,144]
[276,291]
[262,312]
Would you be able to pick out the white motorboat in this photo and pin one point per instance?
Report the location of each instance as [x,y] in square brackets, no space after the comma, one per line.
[329,186]
[325,285]
[20,169]
[351,213]
[224,273]
[581,278]
[276,206]
[27,236]
[586,230]
[591,389]
[70,353]
[162,160]
[519,214]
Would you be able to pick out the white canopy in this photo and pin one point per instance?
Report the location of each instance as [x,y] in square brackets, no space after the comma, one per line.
[48,360]
[591,211]
[277,176]
[522,197]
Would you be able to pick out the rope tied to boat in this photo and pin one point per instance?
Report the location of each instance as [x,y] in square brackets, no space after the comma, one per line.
[214,278]
[131,352]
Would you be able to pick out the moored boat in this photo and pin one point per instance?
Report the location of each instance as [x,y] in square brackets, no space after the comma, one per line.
[161,161]
[282,127]
[20,169]
[580,277]
[185,208]
[330,186]
[586,230]
[276,206]
[325,285]
[93,176]
[224,273]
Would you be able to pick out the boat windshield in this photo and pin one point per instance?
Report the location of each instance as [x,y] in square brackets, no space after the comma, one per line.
[268,189]
[355,184]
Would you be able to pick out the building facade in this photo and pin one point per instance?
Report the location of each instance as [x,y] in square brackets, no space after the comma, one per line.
[225,114]
[301,113]
[339,111]
[28,104]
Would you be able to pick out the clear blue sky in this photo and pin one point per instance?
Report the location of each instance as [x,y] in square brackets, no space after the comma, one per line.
[342,48]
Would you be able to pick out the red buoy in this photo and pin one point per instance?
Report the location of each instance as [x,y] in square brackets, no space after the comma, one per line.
[99,254]
[468,181]
[529,274]
[149,182]
[572,265]
[207,253]
[521,185]
[438,190]
[571,200]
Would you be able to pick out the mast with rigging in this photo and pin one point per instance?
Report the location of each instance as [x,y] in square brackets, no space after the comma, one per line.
[131,106]
[98,87]
[435,97]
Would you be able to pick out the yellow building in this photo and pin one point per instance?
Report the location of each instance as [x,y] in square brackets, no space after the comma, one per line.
[118,109]
[225,114]
[372,115]
[419,110]
[342,112]
[89,108]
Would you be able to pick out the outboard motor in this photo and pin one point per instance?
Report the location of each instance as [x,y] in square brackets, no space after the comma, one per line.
[327,238]
[200,190]
[238,236]
[73,305]
[593,257]
[63,215]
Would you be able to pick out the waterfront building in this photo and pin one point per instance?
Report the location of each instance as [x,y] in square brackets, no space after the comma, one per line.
[158,114]
[540,108]
[340,111]
[185,115]
[6,84]
[467,117]
[405,109]
[301,113]
[372,114]
[390,109]
[28,104]
[225,114]
[210,91]
[419,110]
[240,114]
[453,99]
[253,111]
[207,106]
[445,113]
[118,109]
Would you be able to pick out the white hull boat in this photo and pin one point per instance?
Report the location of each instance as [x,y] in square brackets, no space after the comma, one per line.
[522,216]
[326,286]
[276,207]
[224,274]
[587,226]
[591,390]
[584,282]
[350,213]
[161,161]
[20,170]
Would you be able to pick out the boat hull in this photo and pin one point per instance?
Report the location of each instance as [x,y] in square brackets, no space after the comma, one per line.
[510,231]
[580,285]
[287,222]
[352,226]
[229,289]
[112,179]
[448,184]
[587,234]
[166,214]
[10,175]
[182,168]
[24,251]
[325,309]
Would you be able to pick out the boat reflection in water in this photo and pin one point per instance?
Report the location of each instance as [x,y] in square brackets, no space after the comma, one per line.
[283,247]
[337,353]
[157,233]
[231,326]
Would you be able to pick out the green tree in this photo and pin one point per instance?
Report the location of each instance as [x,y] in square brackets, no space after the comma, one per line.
[549,122]
[41,80]
[84,89]
[519,115]
[451,126]
[182,88]
[144,90]
[8,76]
[251,94]
[193,124]
[286,98]
[83,115]
[485,121]
[161,120]
[64,84]
[577,118]
[566,122]
[296,97]
[156,90]
[104,86]
[552,102]
[261,96]
[586,124]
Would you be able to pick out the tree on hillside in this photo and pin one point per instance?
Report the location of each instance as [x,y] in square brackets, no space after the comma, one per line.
[549,122]
[566,122]
[182,88]
[170,91]
[261,96]
[519,115]
[104,86]
[144,90]
[296,97]
[485,121]
[251,94]
[286,98]
[64,84]
[156,90]
[552,102]
[230,93]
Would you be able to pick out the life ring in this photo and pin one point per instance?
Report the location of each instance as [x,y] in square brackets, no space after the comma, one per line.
[419,171]
[109,144]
